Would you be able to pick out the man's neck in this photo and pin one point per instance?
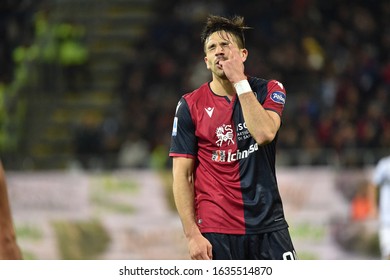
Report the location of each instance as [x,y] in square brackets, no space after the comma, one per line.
[222,87]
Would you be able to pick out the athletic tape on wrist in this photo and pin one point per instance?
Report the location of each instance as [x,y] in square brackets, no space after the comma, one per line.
[242,87]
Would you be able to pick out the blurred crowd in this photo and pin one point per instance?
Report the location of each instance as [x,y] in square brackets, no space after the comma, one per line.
[332,56]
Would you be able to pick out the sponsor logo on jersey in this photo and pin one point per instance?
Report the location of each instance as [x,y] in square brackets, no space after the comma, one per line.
[241,126]
[230,156]
[242,132]
[219,156]
[278,97]
[224,134]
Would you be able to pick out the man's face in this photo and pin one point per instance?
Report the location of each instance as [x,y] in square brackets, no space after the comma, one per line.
[217,49]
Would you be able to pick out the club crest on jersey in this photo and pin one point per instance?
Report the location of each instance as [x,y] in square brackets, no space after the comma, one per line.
[278,97]
[224,134]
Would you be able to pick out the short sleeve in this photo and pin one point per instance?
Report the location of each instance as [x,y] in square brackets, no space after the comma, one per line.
[183,139]
[276,97]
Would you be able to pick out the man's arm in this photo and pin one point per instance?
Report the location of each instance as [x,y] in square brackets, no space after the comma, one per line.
[8,246]
[262,124]
[183,191]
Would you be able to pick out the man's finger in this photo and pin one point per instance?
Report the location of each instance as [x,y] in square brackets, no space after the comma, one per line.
[234,49]
[210,252]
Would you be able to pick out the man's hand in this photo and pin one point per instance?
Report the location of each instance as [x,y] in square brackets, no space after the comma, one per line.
[9,249]
[234,65]
[200,248]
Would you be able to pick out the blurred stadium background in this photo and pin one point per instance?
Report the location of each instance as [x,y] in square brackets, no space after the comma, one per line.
[88,90]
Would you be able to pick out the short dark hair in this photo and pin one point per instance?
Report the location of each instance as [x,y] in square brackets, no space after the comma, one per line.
[234,25]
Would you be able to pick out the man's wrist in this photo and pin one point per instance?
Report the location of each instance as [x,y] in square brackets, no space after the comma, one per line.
[242,87]
[191,231]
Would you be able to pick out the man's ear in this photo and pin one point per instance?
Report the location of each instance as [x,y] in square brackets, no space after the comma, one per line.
[244,54]
[206,61]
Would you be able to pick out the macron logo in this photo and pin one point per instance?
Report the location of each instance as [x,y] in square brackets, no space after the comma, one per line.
[209,111]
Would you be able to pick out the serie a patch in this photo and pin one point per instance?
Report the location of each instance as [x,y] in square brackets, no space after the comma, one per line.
[174,129]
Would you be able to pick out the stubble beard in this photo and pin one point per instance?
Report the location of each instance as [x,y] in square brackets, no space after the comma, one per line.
[220,74]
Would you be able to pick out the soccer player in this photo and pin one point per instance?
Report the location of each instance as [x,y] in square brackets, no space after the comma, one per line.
[381,183]
[9,249]
[223,148]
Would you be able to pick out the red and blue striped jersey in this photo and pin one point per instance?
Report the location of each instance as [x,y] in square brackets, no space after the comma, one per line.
[235,184]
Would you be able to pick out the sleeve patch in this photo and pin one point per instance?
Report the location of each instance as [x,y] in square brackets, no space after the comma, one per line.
[278,97]
[174,129]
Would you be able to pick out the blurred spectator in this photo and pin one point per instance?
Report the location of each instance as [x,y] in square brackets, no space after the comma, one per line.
[110,141]
[88,141]
[362,206]
[16,28]
[134,152]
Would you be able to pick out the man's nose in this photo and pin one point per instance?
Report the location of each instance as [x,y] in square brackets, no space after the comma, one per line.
[220,49]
